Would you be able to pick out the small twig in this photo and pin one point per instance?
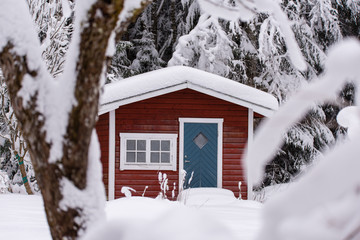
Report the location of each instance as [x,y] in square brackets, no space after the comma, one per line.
[353,234]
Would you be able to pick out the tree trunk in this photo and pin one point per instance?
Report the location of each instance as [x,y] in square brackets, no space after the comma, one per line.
[23,173]
[65,221]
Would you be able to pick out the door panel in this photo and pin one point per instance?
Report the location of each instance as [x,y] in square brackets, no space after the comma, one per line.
[200,154]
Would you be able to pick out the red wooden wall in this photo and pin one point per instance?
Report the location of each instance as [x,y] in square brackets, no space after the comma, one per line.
[161,115]
[102,129]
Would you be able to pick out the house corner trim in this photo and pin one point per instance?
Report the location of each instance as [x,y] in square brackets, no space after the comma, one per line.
[111,178]
[250,142]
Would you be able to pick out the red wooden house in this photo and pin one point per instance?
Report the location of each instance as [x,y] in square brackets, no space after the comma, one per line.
[176,119]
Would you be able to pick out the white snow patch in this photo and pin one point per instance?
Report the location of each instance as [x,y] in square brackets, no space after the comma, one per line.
[206,196]
[242,217]
[244,10]
[169,220]
[111,49]
[66,8]
[92,198]
[139,218]
[16,26]
[268,192]
[127,12]
[127,191]
[23,217]
[349,118]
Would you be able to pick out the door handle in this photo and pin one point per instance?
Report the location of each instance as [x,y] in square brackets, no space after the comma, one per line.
[187,161]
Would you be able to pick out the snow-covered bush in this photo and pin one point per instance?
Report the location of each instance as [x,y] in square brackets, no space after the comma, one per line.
[4,182]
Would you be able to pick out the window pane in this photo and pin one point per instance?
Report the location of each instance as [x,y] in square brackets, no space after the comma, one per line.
[141,145]
[155,157]
[200,140]
[155,145]
[165,145]
[165,157]
[130,145]
[141,157]
[130,157]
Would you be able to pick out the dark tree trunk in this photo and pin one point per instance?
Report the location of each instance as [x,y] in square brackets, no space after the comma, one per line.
[65,223]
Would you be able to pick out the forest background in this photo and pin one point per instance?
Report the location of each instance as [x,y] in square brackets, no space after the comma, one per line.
[171,32]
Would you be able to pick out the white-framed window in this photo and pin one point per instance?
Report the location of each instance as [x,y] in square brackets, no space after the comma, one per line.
[148,151]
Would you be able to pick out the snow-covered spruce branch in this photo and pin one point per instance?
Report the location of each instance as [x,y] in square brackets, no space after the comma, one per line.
[339,166]
[245,10]
[58,117]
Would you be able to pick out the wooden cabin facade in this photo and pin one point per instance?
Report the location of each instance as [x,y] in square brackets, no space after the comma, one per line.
[178,119]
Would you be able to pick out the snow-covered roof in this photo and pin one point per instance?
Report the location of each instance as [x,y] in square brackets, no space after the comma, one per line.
[176,78]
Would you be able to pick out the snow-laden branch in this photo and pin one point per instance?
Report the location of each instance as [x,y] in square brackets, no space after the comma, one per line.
[246,10]
[341,66]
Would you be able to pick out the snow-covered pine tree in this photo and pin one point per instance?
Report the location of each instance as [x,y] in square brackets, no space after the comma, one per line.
[349,16]
[150,42]
[144,45]
[15,159]
[120,63]
[316,27]
[54,22]
[206,47]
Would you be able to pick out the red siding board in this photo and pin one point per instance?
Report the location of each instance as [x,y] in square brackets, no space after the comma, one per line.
[161,115]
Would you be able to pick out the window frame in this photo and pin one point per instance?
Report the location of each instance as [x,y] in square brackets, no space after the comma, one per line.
[147,165]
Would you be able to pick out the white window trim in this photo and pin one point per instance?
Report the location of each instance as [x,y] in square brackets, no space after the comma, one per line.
[148,165]
[219,122]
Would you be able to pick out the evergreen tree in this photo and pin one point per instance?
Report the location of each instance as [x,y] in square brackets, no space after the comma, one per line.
[150,41]
[54,22]
[15,159]
[206,47]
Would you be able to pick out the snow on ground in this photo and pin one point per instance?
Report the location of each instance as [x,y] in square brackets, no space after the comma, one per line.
[214,212]
[242,217]
[268,192]
[22,217]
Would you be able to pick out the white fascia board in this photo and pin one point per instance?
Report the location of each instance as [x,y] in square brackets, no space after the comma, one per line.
[114,105]
[267,112]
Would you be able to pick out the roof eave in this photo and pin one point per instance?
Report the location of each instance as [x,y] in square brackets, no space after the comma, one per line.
[263,110]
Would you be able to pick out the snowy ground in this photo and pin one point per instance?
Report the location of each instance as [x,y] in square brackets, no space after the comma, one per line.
[23,216]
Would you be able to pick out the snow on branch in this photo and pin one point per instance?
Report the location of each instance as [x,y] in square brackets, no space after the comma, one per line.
[246,10]
[341,66]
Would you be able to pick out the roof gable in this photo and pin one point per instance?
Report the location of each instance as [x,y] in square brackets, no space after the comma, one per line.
[171,79]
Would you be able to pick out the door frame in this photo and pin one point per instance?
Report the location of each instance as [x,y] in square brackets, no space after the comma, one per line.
[219,122]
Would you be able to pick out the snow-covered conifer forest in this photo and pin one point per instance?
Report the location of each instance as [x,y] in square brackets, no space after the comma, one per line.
[56,54]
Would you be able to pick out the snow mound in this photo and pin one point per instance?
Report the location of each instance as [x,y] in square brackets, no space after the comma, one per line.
[169,220]
[206,196]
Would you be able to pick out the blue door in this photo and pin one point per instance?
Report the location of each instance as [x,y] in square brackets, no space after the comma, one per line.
[200,154]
